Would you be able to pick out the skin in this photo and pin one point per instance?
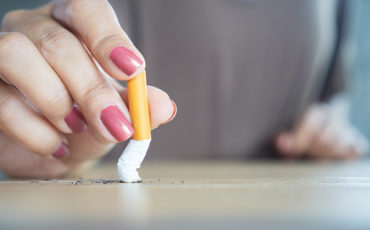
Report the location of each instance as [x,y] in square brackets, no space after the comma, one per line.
[47,60]
[323,133]
[46,68]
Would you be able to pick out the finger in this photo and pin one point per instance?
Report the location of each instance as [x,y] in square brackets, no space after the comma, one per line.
[27,127]
[96,23]
[323,147]
[22,65]
[18,162]
[285,145]
[356,139]
[333,143]
[86,148]
[162,108]
[310,126]
[66,55]
[339,140]
[309,129]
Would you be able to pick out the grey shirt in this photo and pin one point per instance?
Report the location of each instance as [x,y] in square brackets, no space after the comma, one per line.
[239,71]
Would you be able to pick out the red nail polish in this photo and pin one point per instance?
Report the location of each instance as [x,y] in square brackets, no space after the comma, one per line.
[116,123]
[125,59]
[61,152]
[173,113]
[75,120]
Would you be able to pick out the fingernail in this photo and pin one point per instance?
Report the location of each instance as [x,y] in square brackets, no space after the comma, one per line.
[61,152]
[125,59]
[173,113]
[116,123]
[75,120]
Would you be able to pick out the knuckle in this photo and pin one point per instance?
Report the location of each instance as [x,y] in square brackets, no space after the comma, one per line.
[79,5]
[53,40]
[10,40]
[57,104]
[12,17]
[94,90]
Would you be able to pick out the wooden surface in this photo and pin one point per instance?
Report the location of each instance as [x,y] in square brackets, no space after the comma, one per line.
[190,195]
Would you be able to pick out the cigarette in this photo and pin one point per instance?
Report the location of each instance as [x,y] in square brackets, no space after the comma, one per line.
[135,151]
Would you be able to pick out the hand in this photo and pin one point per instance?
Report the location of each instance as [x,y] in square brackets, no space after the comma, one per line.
[57,110]
[324,132]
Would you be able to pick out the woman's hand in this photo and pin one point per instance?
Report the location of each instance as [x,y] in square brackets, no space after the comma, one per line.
[57,109]
[324,132]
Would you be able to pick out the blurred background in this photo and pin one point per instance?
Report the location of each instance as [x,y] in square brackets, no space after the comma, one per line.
[212,123]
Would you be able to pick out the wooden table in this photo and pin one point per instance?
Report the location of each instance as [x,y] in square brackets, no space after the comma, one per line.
[196,195]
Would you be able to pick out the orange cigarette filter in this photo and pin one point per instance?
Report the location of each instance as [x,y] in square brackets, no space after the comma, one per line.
[139,107]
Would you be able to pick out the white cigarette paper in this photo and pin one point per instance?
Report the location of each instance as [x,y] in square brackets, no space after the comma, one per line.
[131,159]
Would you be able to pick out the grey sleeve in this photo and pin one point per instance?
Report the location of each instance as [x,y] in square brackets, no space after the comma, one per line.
[341,65]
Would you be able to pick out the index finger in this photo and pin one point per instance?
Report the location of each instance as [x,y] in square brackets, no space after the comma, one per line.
[96,23]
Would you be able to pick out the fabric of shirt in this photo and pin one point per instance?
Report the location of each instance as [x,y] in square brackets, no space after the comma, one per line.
[239,71]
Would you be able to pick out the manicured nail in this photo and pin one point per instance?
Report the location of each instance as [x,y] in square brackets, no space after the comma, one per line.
[116,123]
[173,113]
[61,152]
[125,59]
[75,120]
